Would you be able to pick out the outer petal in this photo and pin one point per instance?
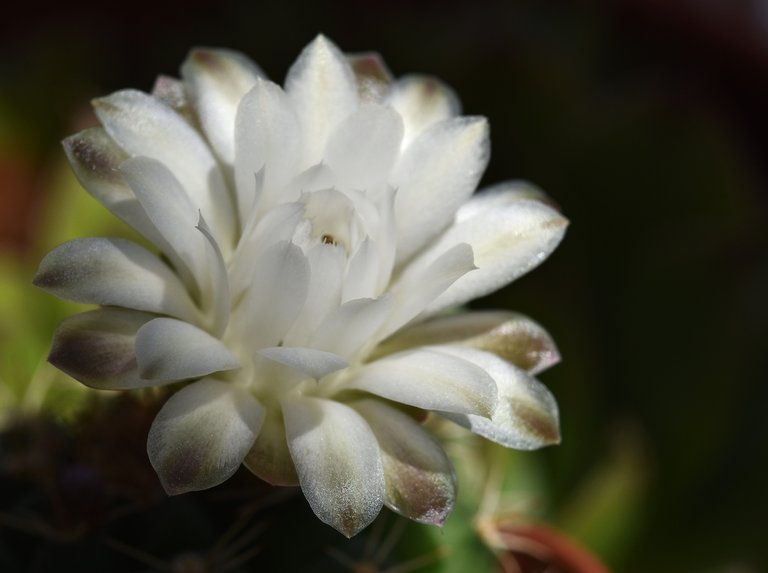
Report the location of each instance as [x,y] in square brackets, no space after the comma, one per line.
[501,195]
[114,272]
[267,136]
[217,80]
[97,348]
[144,126]
[95,158]
[269,457]
[512,336]
[436,174]
[428,379]
[373,76]
[169,349]
[422,101]
[201,435]
[310,361]
[525,416]
[507,242]
[420,480]
[364,146]
[338,462]
[323,89]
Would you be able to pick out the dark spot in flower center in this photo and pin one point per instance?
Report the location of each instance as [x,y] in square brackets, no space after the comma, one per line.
[328,239]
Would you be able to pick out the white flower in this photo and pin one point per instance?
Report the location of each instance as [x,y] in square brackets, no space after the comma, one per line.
[309,238]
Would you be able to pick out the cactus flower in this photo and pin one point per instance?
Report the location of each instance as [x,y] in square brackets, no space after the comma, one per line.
[306,241]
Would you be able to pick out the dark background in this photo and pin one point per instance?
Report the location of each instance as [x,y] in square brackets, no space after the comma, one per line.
[645,120]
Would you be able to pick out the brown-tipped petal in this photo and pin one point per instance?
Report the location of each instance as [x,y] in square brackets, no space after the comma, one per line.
[526,415]
[97,348]
[512,336]
[420,480]
[373,76]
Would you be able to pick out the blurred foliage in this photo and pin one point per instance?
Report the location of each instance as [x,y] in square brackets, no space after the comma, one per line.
[649,141]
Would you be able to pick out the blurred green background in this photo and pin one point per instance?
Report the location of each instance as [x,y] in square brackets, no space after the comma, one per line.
[646,121]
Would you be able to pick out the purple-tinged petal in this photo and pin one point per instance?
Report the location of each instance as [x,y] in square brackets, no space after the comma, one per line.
[97,348]
[420,480]
[201,435]
[269,457]
[372,75]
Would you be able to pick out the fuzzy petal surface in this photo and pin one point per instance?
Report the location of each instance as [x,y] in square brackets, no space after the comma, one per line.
[337,460]
[420,479]
[202,434]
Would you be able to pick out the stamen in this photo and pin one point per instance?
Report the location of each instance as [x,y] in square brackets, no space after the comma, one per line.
[328,240]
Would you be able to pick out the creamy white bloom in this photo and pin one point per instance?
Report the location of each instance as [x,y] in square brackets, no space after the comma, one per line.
[309,238]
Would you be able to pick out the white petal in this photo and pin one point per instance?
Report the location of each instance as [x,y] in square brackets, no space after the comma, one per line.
[144,126]
[201,435]
[372,75]
[95,159]
[171,92]
[326,263]
[508,241]
[218,303]
[97,348]
[217,80]
[169,349]
[338,462]
[362,280]
[269,457]
[351,326]
[428,379]
[509,335]
[422,101]
[276,295]
[279,224]
[435,175]
[363,147]
[267,136]
[314,363]
[172,213]
[423,282]
[525,417]
[420,480]
[501,195]
[114,272]
[323,89]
